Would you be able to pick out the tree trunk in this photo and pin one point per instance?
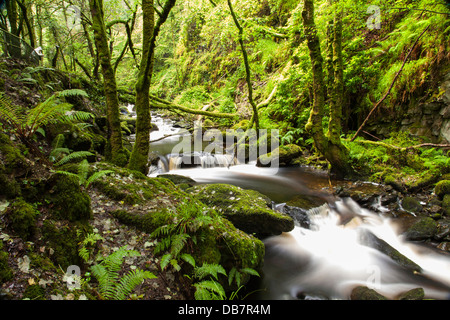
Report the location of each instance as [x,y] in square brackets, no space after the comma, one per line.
[255,117]
[115,152]
[329,146]
[139,156]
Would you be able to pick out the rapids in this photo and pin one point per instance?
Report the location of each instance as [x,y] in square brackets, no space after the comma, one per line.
[331,255]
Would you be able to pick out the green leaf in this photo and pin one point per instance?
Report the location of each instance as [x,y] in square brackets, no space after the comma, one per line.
[188,258]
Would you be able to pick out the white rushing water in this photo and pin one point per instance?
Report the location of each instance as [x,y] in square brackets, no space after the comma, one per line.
[329,259]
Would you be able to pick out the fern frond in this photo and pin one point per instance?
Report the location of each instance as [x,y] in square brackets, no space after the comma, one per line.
[250,271]
[114,260]
[9,113]
[72,92]
[209,290]
[209,269]
[57,153]
[97,175]
[77,116]
[105,279]
[165,260]
[178,243]
[83,170]
[188,258]
[132,279]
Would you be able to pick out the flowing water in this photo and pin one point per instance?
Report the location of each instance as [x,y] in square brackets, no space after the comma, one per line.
[327,258]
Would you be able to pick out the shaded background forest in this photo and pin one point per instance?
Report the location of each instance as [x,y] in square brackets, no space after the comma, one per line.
[198,62]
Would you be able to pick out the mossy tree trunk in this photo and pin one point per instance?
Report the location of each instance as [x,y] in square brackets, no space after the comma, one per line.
[115,152]
[255,118]
[141,148]
[329,145]
[139,155]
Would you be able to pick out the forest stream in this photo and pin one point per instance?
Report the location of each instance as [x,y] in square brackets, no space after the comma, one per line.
[324,257]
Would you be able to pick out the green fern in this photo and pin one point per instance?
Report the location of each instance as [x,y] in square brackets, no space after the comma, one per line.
[86,246]
[111,286]
[209,290]
[83,174]
[72,93]
[208,270]
[26,124]
[71,157]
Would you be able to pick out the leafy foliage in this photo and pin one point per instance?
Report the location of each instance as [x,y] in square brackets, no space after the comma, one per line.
[82,175]
[26,123]
[112,286]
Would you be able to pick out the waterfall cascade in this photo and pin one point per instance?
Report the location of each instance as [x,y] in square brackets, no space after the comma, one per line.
[328,258]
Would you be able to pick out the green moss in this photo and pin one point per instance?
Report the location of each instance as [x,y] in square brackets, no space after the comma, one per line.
[6,272]
[442,188]
[11,156]
[422,229]
[132,187]
[286,155]
[446,204]
[411,204]
[365,293]
[147,221]
[41,262]
[63,238]
[69,201]
[10,187]
[413,294]
[22,218]
[34,292]
[248,210]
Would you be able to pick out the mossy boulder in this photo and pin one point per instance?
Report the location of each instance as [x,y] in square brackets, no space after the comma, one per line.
[413,294]
[132,187]
[248,210]
[22,218]
[365,293]
[411,204]
[442,188]
[422,228]
[286,155]
[63,238]
[12,165]
[6,273]
[68,200]
[446,204]
[178,179]
[218,242]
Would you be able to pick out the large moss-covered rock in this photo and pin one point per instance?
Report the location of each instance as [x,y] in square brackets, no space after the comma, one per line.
[22,219]
[248,210]
[6,272]
[411,204]
[286,155]
[12,164]
[149,203]
[365,293]
[442,188]
[69,201]
[63,238]
[422,228]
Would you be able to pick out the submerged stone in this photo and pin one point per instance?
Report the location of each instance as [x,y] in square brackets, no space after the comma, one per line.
[413,294]
[421,229]
[365,293]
